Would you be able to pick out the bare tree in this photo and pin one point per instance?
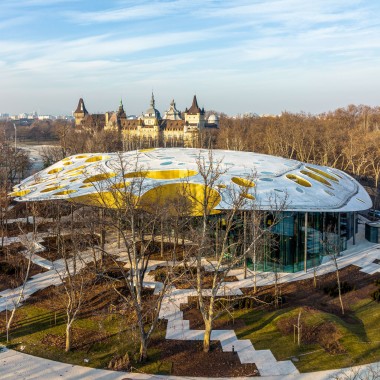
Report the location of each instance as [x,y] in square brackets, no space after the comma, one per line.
[331,244]
[136,223]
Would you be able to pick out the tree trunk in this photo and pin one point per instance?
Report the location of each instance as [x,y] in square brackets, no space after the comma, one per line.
[143,350]
[68,338]
[207,336]
[339,287]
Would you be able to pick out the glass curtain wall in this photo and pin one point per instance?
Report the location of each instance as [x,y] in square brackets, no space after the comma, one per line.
[297,241]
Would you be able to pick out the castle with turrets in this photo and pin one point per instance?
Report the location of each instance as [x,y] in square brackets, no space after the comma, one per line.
[150,129]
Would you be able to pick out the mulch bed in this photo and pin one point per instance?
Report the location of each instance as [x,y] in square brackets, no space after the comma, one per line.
[189,360]
[193,315]
[82,242]
[13,267]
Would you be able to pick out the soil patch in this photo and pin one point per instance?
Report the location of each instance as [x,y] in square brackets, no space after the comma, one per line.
[192,314]
[13,267]
[78,242]
[304,294]
[188,359]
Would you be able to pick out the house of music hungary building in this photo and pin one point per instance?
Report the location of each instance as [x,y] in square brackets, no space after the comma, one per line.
[175,128]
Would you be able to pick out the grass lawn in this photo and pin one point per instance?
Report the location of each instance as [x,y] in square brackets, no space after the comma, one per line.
[35,324]
[359,339]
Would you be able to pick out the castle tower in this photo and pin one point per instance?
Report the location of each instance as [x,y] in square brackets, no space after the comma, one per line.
[80,113]
[194,116]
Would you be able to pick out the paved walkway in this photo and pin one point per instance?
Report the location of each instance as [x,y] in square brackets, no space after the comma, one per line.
[14,363]
[17,365]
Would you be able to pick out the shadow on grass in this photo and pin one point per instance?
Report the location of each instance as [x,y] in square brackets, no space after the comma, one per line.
[249,316]
[36,323]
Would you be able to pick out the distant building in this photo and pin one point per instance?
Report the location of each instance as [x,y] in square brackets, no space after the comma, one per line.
[150,129]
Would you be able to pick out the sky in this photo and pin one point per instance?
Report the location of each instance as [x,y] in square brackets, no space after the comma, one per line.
[237,56]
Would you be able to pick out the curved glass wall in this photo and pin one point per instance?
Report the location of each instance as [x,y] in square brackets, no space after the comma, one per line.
[296,241]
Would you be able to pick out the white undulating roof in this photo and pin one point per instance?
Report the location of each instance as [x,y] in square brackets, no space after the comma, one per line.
[305,187]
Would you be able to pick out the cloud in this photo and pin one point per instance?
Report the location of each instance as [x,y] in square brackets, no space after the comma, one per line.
[147,10]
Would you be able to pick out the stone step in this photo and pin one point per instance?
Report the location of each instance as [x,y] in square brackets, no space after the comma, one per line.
[237,345]
[371,268]
[281,368]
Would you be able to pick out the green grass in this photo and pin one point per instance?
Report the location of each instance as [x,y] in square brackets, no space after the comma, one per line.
[359,339]
[35,323]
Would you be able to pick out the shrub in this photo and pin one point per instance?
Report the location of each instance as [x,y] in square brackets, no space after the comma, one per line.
[376,295]
[333,290]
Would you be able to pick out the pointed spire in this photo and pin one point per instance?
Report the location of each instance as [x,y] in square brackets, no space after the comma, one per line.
[81,107]
[195,103]
[152,102]
[194,109]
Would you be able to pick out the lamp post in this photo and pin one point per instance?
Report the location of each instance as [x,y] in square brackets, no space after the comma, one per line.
[14,126]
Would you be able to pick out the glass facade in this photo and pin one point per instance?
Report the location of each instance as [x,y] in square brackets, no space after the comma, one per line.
[296,241]
[372,232]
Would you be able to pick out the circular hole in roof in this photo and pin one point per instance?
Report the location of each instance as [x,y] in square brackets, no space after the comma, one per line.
[221,186]
[146,150]
[67,163]
[99,177]
[81,156]
[299,190]
[181,163]
[73,180]
[267,173]
[242,182]
[52,188]
[266,179]
[75,173]
[96,158]
[20,193]
[316,177]
[77,168]
[55,170]
[322,173]
[299,180]
[162,174]
[166,163]
[65,192]
[86,185]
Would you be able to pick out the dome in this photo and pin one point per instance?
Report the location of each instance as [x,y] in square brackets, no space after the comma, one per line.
[213,119]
